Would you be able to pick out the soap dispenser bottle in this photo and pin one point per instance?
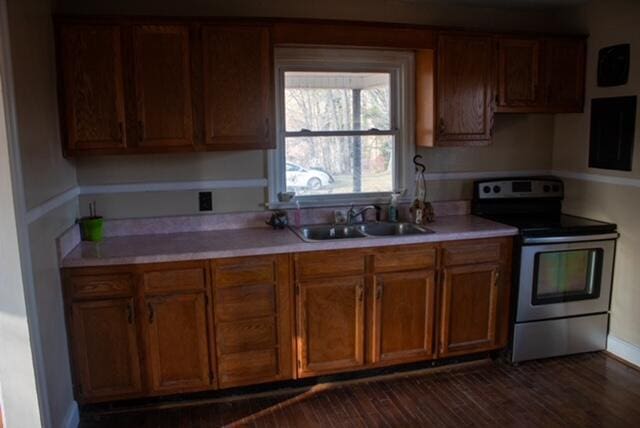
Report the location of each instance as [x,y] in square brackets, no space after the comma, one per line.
[393,208]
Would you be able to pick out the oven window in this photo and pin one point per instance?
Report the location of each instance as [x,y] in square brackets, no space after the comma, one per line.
[562,276]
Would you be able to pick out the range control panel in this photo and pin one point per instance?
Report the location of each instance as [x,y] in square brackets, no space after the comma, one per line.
[514,188]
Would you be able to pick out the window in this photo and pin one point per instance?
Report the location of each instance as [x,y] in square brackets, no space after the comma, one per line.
[343,117]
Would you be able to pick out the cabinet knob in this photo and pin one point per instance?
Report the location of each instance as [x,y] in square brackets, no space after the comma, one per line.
[151,313]
[360,293]
[130,313]
[379,291]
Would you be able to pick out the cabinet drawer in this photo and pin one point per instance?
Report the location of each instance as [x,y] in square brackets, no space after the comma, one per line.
[248,335]
[244,302]
[92,286]
[329,263]
[404,258]
[472,253]
[246,271]
[247,367]
[177,279]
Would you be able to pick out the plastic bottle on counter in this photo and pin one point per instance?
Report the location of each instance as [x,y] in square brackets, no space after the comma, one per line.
[393,208]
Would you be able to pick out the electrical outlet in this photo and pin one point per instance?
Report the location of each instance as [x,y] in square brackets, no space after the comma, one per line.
[205,201]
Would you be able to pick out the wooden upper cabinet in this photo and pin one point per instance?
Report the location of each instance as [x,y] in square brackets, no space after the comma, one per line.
[469,309]
[92,93]
[464,89]
[238,87]
[177,345]
[103,338]
[330,316]
[564,74]
[404,316]
[519,74]
[162,70]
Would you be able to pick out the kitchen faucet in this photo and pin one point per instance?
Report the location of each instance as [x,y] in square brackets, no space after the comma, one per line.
[353,213]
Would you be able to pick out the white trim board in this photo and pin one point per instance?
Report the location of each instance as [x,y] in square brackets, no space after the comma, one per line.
[599,178]
[51,204]
[623,349]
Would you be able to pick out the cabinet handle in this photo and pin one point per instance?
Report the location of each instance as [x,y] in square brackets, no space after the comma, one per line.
[141,135]
[151,313]
[130,313]
[379,291]
[495,283]
[361,293]
[441,126]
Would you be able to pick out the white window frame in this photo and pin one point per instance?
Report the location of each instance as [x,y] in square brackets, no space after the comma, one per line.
[399,65]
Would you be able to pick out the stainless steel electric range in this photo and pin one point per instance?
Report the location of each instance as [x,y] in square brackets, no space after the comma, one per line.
[563,272]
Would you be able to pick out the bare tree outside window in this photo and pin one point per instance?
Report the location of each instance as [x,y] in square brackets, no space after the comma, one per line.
[339,137]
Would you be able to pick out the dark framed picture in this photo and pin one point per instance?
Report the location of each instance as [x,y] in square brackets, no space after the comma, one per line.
[613,123]
[613,65]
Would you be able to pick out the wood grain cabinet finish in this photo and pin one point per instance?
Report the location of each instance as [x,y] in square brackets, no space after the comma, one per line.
[464,89]
[162,70]
[540,75]
[105,349]
[253,319]
[564,74]
[238,87]
[520,86]
[92,87]
[469,309]
[331,325]
[404,316]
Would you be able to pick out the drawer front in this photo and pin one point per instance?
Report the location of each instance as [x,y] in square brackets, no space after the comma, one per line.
[248,335]
[250,301]
[472,253]
[246,271]
[174,280]
[94,286]
[329,263]
[247,367]
[404,258]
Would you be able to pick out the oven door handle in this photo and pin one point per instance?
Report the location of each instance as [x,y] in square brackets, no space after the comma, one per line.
[564,239]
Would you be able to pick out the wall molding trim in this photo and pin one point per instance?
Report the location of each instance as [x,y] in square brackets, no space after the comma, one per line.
[479,175]
[51,204]
[172,186]
[623,349]
[599,178]
[72,417]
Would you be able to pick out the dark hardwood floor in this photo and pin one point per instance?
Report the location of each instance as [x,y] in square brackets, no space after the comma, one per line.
[590,390]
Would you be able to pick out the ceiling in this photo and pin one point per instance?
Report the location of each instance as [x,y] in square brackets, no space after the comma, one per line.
[508,3]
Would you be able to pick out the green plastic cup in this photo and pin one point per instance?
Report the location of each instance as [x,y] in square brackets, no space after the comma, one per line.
[92,229]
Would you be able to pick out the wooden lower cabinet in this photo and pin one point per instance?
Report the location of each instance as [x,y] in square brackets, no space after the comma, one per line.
[404,315]
[105,348]
[177,345]
[469,309]
[166,328]
[253,312]
[330,315]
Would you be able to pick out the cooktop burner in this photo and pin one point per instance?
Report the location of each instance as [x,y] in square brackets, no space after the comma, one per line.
[547,225]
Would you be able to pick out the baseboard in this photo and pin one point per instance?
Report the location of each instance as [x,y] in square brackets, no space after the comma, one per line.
[72,418]
[624,350]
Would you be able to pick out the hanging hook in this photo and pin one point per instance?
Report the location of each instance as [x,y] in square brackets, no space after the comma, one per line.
[418,164]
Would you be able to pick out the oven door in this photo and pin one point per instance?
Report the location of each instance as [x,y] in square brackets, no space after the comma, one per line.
[565,276]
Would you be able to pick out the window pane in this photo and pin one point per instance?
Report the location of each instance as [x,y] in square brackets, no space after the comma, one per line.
[338,165]
[323,101]
[566,274]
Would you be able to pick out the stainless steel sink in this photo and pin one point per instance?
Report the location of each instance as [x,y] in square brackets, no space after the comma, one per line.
[365,230]
[325,232]
[392,229]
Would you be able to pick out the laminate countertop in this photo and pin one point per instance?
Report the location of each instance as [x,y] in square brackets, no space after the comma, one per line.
[168,247]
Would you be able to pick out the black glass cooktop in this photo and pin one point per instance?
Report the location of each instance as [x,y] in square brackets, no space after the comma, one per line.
[549,225]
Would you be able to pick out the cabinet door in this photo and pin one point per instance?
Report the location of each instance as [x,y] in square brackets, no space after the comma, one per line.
[177,342]
[464,90]
[163,85]
[105,348]
[518,74]
[564,71]
[93,95]
[469,309]
[404,304]
[238,87]
[330,315]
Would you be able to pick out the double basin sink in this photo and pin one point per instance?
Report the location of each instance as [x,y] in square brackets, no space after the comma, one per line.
[329,232]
